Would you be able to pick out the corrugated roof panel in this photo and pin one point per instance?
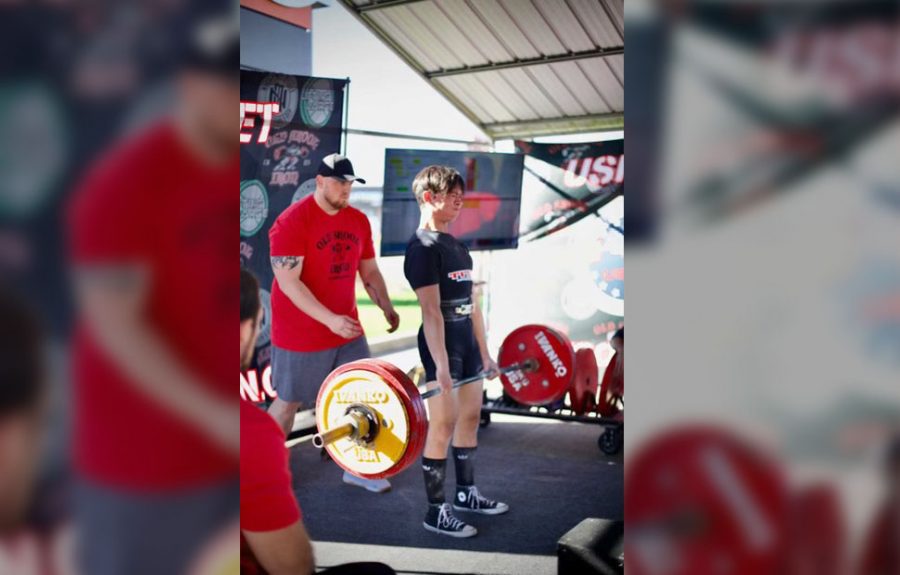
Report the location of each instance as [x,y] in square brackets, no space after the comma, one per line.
[578,84]
[506,30]
[390,28]
[617,9]
[450,35]
[532,23]
[617,63]
[491,104]
[509,94]
[553,85]
[529,90]
[604,81]
[521,100]
[597,23]
[417,31]
[475,30]
[566,25]
[451,84]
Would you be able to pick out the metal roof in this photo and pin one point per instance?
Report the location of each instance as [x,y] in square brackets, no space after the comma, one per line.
[516,68]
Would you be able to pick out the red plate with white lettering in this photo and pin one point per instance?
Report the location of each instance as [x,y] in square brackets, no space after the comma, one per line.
[583,390]
[702,501]
[607,404]
[556,364]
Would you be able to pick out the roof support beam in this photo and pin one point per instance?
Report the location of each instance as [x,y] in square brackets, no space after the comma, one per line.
[379,4]
[570,57]
[555,127]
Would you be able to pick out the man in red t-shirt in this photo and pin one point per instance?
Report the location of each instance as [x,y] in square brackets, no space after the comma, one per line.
[156,437]
[273,538]
[317,247]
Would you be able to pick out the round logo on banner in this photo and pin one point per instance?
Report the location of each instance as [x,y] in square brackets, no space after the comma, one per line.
[34,148]
[305,189]
[254,207]
[283,90]
[265,327]
[317,102]
[609,270]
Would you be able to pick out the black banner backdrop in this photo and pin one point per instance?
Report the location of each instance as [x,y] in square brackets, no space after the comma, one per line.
[279,171]
[578,179]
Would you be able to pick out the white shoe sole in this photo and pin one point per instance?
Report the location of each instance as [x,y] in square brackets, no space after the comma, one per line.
[365,485]
[458,534]
[496,511]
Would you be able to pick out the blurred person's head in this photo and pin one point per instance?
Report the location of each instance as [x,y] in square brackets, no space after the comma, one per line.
[617,341]
[334,179]
[22,402]
[439,191]
[209,82]
[251,316]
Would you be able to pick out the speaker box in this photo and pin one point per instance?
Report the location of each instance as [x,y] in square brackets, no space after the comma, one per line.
[593,547]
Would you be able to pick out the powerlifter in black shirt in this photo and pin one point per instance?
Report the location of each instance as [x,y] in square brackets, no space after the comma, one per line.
[452,345]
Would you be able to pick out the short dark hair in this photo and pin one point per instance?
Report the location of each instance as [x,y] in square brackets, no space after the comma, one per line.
[21,354]
[436,179]
[249,295]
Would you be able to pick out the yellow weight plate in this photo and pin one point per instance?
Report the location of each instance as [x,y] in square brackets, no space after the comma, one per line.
[393,438]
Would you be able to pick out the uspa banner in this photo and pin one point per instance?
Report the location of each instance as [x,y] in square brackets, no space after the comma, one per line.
[573,181]
[288,124]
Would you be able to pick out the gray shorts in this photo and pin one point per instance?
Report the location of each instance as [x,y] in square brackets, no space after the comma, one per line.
[297,375]
[149,534]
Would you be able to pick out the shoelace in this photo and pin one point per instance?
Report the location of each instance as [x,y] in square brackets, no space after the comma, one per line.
[478,501]
[447,520]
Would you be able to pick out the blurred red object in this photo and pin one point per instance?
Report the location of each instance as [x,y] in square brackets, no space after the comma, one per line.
[699,501]
[818,537]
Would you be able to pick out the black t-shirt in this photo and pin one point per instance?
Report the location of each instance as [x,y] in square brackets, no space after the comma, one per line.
[439,258]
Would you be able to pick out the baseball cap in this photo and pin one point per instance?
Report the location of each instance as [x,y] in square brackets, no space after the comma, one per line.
[337,166]
[213,43]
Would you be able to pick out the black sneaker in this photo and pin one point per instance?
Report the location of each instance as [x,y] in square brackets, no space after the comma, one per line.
[440,519]
[469,499]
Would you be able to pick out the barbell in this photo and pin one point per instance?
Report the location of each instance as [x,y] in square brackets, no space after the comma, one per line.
[371,418]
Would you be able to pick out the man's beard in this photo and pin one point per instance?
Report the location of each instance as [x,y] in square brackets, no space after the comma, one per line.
[339,204]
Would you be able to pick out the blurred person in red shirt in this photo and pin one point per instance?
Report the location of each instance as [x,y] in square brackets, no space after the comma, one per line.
[273,537]
[151,229]
[881,551]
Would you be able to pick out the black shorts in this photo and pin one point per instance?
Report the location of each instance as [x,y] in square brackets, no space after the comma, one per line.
[462,351]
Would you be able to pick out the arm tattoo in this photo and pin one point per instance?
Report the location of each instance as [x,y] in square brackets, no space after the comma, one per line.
[285,262]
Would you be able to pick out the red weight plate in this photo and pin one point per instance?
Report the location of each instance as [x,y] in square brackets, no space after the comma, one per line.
[418,421]
[606,405]
[556,364]
[412,405]
[583,389]
[818,537]
[701,502]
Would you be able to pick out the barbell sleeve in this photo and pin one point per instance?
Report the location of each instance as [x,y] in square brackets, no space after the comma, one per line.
[354,425]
